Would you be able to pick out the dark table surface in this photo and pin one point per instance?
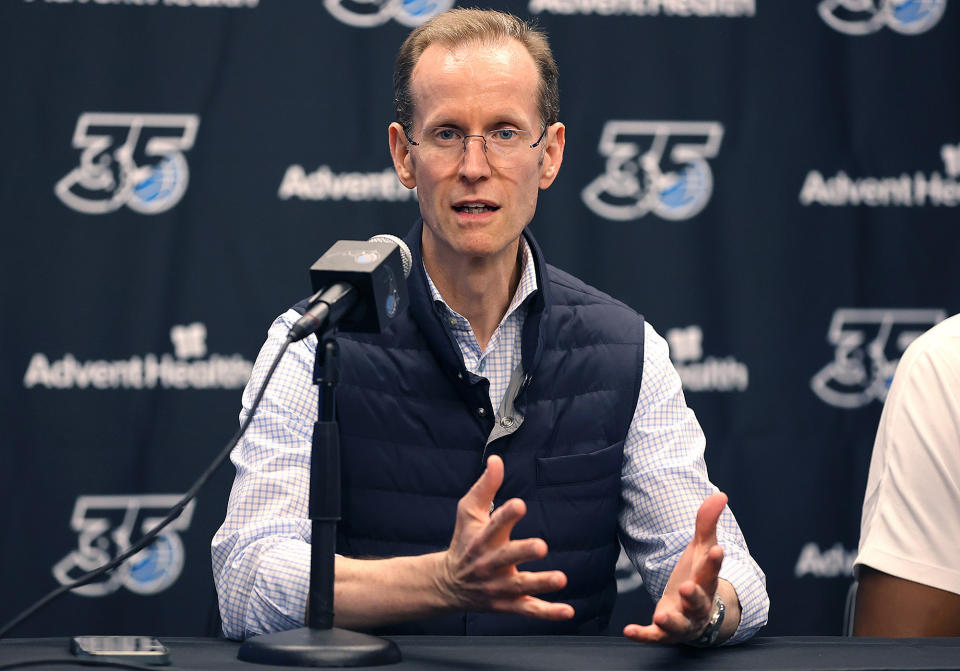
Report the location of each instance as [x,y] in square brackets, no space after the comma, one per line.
[536,653]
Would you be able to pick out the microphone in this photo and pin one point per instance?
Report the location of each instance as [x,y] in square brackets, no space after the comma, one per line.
[358,286]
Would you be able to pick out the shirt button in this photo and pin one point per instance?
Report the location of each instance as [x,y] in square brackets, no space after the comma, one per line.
[506,422]
[482,412]
[459,375]
[452,321]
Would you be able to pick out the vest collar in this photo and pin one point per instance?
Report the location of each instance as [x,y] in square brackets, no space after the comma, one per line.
[427,316]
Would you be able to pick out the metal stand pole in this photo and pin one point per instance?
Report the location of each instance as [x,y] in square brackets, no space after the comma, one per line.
[320,644]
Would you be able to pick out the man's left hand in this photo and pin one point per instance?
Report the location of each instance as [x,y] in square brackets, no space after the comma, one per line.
[683,612]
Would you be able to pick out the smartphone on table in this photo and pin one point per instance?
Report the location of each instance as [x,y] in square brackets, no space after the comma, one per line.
[133,649]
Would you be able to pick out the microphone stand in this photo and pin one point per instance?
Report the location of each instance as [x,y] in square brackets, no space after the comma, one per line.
[320,644]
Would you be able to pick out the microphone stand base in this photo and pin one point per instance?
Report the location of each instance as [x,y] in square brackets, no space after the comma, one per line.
[319,648]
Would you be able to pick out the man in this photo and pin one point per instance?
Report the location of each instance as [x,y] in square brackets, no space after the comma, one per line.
[551,405]
[908,568]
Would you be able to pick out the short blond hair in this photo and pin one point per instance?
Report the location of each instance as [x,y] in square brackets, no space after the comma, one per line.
[478,26]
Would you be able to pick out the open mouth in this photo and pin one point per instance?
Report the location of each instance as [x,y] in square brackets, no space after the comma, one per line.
[475,208]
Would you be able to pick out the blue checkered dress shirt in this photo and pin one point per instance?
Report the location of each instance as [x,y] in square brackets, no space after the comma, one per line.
[261,554]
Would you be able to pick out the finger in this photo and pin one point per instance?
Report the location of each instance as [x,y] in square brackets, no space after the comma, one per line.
[478,499]
[707,571]
[527,583]
[518,552]
[651,633]
[695,603]
[502,521]
[488,562]
[707,517]
[676,625]
[538,608]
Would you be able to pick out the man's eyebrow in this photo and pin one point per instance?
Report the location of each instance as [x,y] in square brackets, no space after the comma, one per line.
[501,121]
[443,124]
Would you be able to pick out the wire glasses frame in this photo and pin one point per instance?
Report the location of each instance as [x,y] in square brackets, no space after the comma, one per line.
[503,147]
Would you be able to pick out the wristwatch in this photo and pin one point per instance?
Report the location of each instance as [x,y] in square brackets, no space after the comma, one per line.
[712,632]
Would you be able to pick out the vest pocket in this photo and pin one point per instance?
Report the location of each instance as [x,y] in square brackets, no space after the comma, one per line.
[576,468]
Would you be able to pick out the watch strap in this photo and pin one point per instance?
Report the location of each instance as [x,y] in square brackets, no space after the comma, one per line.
[712,632]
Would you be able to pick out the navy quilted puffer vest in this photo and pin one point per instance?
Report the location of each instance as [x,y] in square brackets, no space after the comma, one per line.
[414,429]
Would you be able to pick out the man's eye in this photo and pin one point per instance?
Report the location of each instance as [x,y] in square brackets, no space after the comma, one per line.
[445,135]
[505,134]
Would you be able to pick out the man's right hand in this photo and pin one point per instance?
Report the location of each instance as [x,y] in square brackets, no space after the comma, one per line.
[479,570]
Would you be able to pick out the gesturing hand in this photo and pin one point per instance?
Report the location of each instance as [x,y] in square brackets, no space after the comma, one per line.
[479,570]
[683,611]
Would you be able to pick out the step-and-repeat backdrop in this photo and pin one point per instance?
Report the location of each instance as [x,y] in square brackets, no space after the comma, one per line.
[773,183]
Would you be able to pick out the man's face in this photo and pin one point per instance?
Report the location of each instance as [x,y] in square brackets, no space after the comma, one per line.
[470,208]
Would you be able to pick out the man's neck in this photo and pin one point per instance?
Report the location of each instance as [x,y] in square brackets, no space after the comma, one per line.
[479,288]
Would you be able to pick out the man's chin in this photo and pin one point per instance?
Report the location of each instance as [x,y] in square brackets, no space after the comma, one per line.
[483,246]
[479,248]
[477,241]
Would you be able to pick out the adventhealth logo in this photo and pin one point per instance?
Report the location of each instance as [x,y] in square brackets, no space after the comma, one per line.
[704,374]
[109,175]
[325,184]
[657,167]
[905,190]
[862,17]
[189,368]
[833,562]
[681,8]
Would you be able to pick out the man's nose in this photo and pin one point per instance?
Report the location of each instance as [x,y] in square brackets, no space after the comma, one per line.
[474,164]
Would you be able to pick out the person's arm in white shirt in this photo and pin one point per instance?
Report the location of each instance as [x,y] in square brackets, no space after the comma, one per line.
[261,554]
[664,483]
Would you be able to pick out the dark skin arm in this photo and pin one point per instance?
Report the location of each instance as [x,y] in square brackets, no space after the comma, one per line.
[894,607]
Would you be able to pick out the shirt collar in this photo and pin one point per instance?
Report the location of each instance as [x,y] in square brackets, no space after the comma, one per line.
[526,287]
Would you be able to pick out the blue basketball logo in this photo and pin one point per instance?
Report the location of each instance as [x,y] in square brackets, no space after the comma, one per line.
[162,188]
[859,17]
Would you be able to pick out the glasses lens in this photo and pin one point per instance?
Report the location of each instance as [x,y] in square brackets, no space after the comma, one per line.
[504,147]
[508,146]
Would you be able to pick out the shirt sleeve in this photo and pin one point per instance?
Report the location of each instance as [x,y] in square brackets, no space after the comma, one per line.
[909,526]
[261,553]
[663,482]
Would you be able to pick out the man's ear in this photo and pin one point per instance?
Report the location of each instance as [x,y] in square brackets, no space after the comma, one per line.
[400,151]
[552,154]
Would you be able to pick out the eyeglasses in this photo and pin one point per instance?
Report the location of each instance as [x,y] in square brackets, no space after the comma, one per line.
[504,147]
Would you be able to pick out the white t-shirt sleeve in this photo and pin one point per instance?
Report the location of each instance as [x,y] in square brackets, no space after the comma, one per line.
[911,512]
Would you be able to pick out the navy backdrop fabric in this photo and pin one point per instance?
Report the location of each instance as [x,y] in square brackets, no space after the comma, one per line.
[773,184]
